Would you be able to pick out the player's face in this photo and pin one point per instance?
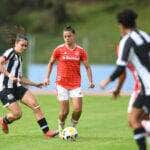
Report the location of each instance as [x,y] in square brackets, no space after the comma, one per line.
[122,30]
[21,46]
[69,37]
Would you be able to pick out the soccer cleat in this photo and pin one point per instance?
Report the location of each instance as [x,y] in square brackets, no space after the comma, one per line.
[4,126]
[50,134]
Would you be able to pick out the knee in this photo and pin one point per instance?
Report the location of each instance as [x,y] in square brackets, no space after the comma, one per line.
[78,110]
[17,115]
[133,123]
[64,113]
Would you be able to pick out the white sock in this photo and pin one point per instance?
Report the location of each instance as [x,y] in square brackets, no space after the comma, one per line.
[60,125]
[74,123]
[146,125]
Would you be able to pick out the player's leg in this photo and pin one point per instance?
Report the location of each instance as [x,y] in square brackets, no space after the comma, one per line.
[135,121]
[138,130]
[63,98]
[77,110]
[14,114]
[63,113]
[146,125]
[76,96]
[9,101]
[29,100]
[144,115]
[130,104]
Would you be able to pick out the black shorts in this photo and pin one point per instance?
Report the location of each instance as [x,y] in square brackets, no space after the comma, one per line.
[142,101]
[10,95]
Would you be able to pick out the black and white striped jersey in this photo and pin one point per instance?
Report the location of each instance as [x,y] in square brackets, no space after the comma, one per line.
[135,48]
[14,66]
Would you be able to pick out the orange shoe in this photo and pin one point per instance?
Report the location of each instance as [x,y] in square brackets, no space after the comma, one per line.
[4,126]
[50,134]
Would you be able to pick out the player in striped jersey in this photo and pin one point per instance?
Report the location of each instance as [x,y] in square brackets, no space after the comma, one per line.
[11,89]
[134,47]
[69,56]
[136,89]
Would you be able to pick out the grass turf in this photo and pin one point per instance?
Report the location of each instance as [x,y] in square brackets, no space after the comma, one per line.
[103,126]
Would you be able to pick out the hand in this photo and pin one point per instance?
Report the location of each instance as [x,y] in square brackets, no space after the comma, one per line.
[116,93]
[104,83]
[91,85]
[39,85]
[46,81]
[11,77]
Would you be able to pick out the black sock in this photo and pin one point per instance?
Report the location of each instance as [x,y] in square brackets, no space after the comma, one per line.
[43,125]
[5,119]
[139,136]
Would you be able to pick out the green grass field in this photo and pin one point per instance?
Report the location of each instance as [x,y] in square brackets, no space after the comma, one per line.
[103,126]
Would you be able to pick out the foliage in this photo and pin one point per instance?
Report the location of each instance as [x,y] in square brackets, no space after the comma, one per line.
[94,21]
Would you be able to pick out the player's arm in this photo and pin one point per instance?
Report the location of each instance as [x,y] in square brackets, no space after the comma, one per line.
[49,70]
[89,74]
[120,83]
[4,71]
[117,72]
[122,61]
[26,81]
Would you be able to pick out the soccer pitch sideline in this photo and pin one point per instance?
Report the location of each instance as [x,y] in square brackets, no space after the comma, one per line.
[103,126]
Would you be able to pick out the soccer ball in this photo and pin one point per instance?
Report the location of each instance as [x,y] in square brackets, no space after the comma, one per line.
[69,134]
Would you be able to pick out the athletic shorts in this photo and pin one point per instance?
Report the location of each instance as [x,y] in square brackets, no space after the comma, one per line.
[65,94]
[10,95]
[142,102]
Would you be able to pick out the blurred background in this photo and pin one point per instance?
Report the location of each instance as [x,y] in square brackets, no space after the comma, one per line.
[95,25]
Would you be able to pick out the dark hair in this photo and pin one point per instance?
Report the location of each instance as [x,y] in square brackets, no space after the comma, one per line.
[21,37]
[13,34]
[127,18]
[69,28]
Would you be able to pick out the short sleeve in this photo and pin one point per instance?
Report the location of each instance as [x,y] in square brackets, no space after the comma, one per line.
[56,53]
[123,51]
[84,55]
[8,53]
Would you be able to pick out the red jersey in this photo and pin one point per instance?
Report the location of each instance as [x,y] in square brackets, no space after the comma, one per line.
[68,67]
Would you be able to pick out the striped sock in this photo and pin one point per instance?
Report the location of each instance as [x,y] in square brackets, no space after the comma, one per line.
[139,136]
[43,125]
[5,119]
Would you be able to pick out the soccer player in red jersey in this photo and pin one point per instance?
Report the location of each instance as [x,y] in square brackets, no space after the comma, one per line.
[69,56]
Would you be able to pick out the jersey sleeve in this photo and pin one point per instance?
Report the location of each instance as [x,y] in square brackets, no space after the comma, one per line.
[84,55]
[56,53]
[7,54]
[123,51]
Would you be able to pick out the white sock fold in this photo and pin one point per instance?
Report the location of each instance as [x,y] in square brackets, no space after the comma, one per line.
[74,122]
[146,125]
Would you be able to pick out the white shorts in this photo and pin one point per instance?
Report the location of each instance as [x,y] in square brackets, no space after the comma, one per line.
[64,94]
[132,100]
